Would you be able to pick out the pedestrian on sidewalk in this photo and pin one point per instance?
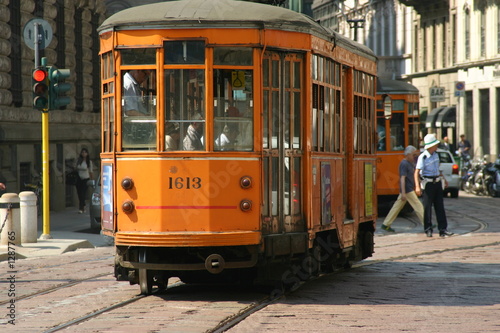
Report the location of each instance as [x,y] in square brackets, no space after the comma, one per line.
[406,190]
[429,183]
[3,184]
[85,173]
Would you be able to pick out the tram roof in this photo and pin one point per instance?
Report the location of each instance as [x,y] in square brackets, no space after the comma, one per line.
[223,14]
[385,86]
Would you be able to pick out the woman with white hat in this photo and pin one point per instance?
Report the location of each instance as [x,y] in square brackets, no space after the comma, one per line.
[428,182]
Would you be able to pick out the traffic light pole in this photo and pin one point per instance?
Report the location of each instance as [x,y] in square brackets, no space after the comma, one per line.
[45,168]
[45,176]
[37,35]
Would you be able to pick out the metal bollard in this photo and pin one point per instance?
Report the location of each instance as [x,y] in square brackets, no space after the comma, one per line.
[29,218]
[10,222]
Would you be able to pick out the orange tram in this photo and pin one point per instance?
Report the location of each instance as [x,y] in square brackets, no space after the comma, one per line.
[237,142]
[398,125]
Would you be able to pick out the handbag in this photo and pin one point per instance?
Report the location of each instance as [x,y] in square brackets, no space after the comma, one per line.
[72,178]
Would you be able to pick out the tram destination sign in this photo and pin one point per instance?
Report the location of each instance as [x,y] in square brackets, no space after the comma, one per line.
[437,94]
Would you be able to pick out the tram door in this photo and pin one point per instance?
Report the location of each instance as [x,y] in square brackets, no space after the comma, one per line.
[282,142]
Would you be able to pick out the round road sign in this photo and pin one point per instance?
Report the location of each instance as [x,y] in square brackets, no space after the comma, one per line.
[44,33]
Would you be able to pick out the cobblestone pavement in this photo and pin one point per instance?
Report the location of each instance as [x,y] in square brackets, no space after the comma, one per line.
[412,283]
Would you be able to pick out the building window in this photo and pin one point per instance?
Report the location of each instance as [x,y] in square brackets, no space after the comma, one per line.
[15,56]
[60,35]
[444,43]
[96,94]
[454,39]
[498,30]
[434,41]
[424,48]
[483,33]
[79,60]
[416,49]
[484,106]
[467,33]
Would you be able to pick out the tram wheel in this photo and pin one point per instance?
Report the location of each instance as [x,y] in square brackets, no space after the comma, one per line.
[145,276]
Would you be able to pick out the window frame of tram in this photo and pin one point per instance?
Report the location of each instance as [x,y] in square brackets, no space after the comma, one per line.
[327,120]
[108,100]
[233,98]
[413,124]
[184,96]
[364,107]
[396,126]
[138,98]
[282,80]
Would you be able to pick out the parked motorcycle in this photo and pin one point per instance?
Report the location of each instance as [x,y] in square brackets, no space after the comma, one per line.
[493,178]
[473,177]
[465,171]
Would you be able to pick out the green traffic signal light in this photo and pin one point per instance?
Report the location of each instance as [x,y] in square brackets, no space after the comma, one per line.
[40,82]
[58,87]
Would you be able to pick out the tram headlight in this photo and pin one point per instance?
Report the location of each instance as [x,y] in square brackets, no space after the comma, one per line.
[246,182]
[245,205]
[128,207]
[127,183]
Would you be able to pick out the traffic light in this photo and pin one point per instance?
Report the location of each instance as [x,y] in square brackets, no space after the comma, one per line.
[58,87]
[40,82]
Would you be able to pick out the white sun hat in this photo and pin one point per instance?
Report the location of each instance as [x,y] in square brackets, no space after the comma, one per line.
[430,141]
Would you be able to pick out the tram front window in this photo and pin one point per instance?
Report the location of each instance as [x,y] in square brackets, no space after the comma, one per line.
[233,110]
[184,109]
[139,109]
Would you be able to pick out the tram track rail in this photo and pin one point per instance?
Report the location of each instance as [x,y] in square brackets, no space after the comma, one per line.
[56,288]
[263,302]
[257,306]
[105,309]
[67,284]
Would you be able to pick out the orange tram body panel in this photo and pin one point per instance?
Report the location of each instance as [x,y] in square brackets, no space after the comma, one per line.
[398,125]
[235,140]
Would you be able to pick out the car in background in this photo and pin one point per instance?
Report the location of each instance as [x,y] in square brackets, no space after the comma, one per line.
[95,205]
[451,171]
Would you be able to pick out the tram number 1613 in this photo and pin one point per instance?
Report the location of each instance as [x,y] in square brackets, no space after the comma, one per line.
[184,183]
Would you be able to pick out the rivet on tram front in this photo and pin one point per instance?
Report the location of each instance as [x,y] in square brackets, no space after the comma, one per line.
[127,183]
[128,207]
[246,182]
[245,205]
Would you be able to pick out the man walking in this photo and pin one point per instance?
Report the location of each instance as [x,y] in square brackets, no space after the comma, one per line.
[406,190]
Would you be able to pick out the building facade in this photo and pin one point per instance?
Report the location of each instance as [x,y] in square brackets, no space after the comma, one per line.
[448,49]
[457,50]
[74,46]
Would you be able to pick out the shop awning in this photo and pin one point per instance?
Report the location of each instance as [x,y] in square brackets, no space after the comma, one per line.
[432,117]
[447,117]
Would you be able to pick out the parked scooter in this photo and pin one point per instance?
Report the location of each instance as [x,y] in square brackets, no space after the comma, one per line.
[465,172]
[481,178]
[493,178]
[472,178]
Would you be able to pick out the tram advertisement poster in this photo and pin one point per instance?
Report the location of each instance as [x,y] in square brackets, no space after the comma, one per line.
[326,215]
[368,189]
[107,196]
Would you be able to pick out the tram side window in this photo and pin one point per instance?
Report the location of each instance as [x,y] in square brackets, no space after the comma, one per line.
[184,109]
[397,141]
[108,101]
[381,146]
[233,110]
[139,109]
[326,110]
[363,112]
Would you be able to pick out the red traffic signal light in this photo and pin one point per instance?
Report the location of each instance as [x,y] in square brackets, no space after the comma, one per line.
[39,75]
[40,81]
